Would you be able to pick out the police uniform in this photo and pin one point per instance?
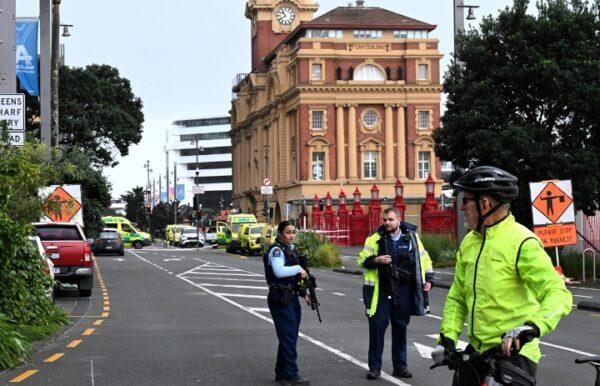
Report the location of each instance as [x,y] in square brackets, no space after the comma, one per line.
[392,293]
[284,305]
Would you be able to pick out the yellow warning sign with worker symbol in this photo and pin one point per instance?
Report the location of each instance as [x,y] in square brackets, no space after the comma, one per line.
[553,213]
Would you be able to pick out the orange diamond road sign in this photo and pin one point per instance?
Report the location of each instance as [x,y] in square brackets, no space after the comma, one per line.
[69,206]
[552,202]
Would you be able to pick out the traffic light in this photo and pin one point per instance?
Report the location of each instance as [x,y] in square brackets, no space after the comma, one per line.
[266,211]
[197,204]
[148,208]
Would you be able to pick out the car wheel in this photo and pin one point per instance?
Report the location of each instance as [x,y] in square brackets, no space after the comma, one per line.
[122,252]
[137,245]
[85,292]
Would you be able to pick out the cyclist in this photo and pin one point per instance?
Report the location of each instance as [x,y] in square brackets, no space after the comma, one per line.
[505,286]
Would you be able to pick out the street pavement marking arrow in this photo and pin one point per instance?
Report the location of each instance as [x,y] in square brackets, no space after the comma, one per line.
[424,351]
[118,259]
[461,345]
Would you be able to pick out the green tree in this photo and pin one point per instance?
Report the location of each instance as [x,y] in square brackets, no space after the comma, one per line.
[98,110]
[135,209]
[526,98]
[162,215]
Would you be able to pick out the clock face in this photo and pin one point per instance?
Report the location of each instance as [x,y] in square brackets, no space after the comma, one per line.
[285,15]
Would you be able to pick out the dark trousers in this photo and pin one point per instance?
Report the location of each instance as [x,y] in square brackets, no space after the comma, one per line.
[399,316]
[475,375]
[287,322]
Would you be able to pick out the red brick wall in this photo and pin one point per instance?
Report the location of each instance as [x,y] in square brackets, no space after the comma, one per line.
[303,71]
[411,136]
[435,71]
[263,43]
[410,73]
[303,138]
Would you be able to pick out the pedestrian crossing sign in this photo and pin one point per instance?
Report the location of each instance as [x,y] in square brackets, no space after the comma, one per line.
[552,202]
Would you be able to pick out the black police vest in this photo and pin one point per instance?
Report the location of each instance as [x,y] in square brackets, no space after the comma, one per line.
[290,257]
[403,255]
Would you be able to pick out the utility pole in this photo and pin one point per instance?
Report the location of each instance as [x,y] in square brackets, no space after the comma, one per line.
[148,205]
[55,67]
[175,193]
[8,70]
[197,205]
[159,188]
[45,69]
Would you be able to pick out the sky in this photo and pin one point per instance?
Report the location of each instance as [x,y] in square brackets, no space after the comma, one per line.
[181,57]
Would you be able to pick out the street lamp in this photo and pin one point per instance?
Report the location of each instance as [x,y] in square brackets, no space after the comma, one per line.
[197,206]
[459,19]
[66,32]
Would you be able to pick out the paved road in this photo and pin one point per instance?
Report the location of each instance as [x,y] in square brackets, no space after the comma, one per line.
[187,317]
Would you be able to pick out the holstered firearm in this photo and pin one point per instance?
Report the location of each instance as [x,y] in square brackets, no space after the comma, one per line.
[309,285]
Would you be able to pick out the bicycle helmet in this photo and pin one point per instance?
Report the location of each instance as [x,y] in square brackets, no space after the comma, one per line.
[491,181]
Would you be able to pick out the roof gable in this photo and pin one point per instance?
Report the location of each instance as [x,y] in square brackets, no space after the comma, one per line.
[374,17]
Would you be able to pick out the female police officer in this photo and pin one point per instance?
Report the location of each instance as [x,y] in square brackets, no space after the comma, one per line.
[281,269]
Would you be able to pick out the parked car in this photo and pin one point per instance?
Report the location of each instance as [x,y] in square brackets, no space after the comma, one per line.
[267,237]
[71,253]
[249,237]
[109,241]
[47,264]
[189,237]
[210,236]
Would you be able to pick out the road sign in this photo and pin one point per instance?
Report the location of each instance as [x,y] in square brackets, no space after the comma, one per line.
[266,181]
[266,189]
[552,202]
[12,111]
[557,235]
[69,198]
[198,189]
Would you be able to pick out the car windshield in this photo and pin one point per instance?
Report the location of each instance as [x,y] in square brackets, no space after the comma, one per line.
[255,230]
[212,230]
[236,226]
[108,235]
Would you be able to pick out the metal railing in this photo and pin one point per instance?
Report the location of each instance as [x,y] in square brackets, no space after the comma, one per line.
[584,255]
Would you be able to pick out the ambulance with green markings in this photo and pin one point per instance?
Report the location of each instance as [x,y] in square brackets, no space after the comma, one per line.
[227,233]
[130,235]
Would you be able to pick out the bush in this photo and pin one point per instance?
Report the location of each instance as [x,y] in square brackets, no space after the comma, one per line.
[326,255]
[321,252]
[12,343]
[441,248]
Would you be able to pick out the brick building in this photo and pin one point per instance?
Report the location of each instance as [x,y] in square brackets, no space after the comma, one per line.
[347,99]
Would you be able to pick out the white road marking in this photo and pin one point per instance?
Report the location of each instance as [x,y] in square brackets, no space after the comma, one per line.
[118,259]
[172,259]
[584,296]
[92,371]
[229,279]
[258,309]
[424,351]
[241,296]
[234,286]
[339,294]
[460,344]
[335,351]
[222,273]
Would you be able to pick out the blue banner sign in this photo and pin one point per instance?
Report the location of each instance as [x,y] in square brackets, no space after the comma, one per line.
[27,54]
[163,196]
[180,192]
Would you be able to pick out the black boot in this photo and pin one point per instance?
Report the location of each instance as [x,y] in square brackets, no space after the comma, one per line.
[374,374]
[402,373]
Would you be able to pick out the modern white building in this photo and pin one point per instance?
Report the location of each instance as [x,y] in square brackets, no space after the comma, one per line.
[200,150]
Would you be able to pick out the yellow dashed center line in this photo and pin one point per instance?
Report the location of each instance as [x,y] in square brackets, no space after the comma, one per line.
[98,322]
[23,376]
[74,343]
[104,315]
[54,357]
[106,309]
[89,331]
[596,315]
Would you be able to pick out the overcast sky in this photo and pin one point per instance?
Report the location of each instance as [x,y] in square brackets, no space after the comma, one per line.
[181,56]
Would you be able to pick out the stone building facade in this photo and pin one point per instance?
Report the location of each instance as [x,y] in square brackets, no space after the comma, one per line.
[347,99]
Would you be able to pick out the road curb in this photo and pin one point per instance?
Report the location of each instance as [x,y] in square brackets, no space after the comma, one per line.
[586,305]
[348,271]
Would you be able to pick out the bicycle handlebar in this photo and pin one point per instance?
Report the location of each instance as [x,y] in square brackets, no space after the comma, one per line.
[588,359]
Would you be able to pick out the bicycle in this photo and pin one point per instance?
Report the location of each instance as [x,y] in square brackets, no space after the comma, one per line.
[594,361]
[496,372]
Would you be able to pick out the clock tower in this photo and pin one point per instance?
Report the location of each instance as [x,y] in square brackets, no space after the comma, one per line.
[271,21]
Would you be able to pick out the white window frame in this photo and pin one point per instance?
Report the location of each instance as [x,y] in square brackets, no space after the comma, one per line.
[423,119]
[369,72]
[422,75]
[318,159]
[424,163]
[314,119]
[365,119]
[370,164]
[316,71]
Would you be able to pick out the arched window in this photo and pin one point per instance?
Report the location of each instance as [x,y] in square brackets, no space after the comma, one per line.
[368,72]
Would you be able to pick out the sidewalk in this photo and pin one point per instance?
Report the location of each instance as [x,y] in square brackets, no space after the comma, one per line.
[443,276]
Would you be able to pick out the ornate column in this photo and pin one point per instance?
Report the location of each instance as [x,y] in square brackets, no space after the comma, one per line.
[401,145]
[352,148]
[389,142]
[281,145]
[341,154]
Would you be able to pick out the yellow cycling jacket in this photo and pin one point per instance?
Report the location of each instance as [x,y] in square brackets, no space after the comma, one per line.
[371,276]
[502,281]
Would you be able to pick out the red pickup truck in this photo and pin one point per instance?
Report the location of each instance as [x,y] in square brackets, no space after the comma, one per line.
[67,247]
